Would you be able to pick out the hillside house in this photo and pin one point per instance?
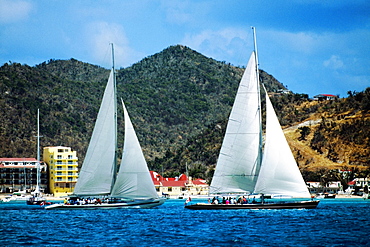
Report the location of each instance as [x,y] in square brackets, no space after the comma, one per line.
[325,97]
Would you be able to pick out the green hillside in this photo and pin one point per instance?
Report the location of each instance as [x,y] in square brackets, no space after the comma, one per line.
[178,100]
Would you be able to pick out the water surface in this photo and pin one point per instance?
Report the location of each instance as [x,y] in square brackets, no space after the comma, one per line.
[336,222]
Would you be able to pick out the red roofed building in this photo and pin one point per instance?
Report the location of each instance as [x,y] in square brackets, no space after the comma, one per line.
[325,97]
[20,174]
[179,187]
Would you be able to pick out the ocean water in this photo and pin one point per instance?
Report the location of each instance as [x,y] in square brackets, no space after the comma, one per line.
[335,222]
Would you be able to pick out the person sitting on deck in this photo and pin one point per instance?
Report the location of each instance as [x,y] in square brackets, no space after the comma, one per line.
[213,200]
[254,199]
[245,200]
[223,200]
[240,200]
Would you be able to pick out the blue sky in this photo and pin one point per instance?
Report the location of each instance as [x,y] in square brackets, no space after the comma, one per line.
[312,46]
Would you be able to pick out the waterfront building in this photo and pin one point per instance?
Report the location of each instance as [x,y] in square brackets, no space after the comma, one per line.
[331,187]
[179,187]
[359,186]
[19,175]
[63,169]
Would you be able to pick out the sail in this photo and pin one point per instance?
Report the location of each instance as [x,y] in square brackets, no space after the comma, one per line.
[133,180]
[95,177]
[279,174]
[238,161]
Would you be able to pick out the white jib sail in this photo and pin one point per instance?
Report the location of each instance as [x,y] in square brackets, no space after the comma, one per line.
[95,177]
[279,174]
[133,180]
[238,159]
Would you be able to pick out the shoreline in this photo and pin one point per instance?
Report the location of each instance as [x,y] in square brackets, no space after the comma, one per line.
[26,196]
[60,199]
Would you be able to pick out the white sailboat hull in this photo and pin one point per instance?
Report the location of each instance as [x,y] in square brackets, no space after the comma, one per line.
[128,205]
[276,205]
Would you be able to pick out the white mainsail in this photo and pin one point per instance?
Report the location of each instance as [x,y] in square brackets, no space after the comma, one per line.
[96,175]
[238,162]
[279,174]
[133,180]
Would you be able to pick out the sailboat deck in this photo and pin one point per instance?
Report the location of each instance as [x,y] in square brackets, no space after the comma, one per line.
[133,204]
[279,205]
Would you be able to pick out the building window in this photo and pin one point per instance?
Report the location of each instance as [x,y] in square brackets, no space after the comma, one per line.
[59,156]
[59,179]
[60,150]
[169,189]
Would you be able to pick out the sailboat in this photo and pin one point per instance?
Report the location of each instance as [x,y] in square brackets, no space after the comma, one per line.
[247,167]
[99,184]
[37,197]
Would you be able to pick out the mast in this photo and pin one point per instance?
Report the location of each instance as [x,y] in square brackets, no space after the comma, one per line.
[115,122]
[259,161]
[187,173]
[37,189]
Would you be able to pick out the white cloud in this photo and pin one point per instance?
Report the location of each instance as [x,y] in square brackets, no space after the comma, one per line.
[334,62]
[177,12]
[222,44]
[302,42]
[101,34]
[14,10]
[186,12]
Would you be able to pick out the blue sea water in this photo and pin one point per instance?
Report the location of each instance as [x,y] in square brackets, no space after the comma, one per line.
[335,222]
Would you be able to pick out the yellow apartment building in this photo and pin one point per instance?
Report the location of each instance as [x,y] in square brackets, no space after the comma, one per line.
[63,169]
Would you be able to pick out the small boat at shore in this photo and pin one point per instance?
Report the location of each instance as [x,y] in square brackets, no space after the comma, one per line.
[37,198]
[325,196]
[247,165]
[15,198]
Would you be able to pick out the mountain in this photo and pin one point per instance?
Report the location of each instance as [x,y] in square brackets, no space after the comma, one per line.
[179,101]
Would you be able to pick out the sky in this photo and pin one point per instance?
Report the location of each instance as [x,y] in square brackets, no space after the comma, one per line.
[310,46]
